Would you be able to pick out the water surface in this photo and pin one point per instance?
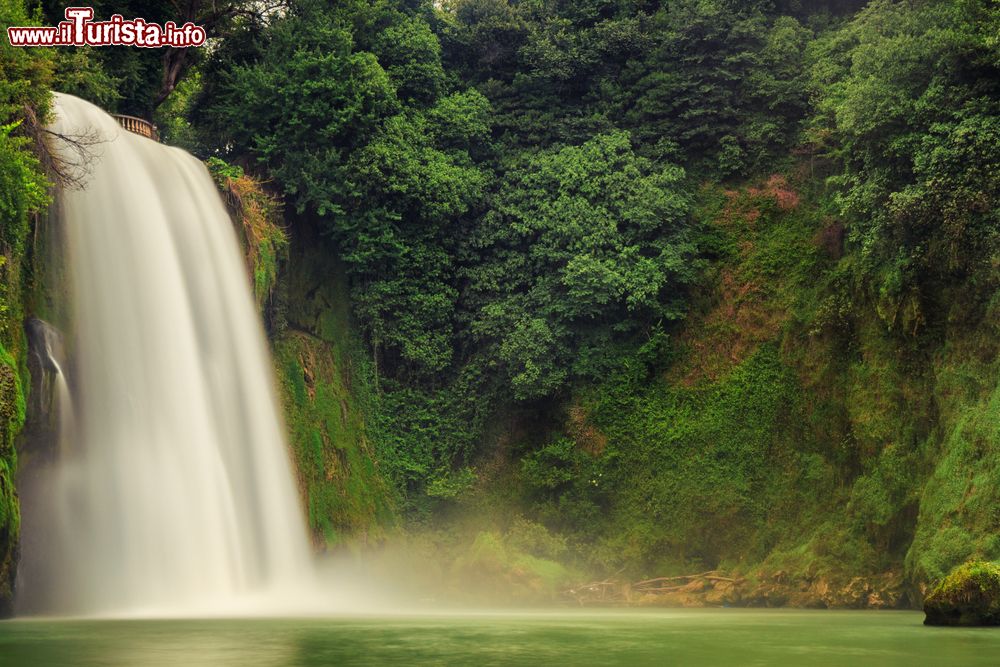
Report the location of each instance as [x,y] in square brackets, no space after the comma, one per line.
[669,638]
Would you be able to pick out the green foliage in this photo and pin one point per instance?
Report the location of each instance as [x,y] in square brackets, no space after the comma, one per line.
[172,117]
[25,73]
[450,485]
[330,406]
[494,569]
[25,80]
[222,171]
[503,183]
[425,432]
[401,240]
[136,81]
[258,216]
[9,534]
[392,175]
[411,55]
[12,413]
[722,82]
[23,187]
[703,472]
[580,243]
[958,516]
[567,484]
[969,595]
[79,71]
[713,84]
[24,77]
[298,98]
[907,94]
[508,241]
[535,539]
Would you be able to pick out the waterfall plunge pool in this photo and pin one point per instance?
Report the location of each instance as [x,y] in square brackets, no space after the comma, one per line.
[673,638]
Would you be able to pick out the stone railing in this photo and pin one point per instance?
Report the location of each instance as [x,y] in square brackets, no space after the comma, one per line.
[138,126]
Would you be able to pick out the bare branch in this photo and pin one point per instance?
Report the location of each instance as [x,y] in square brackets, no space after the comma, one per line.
[68,158]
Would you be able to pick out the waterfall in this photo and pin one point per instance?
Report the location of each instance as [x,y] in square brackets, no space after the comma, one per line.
[175,493]
[52,400]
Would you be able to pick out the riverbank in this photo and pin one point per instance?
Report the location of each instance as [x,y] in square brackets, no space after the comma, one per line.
[770,590]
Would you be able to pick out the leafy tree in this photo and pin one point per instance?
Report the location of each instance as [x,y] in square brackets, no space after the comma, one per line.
[298,98]
[25,77]
[408,198]
[143,79]
[370,144]
[580,243]
[411,54]
[722,84]
[908,94]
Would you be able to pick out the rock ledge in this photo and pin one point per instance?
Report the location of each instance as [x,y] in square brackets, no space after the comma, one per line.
[969,596]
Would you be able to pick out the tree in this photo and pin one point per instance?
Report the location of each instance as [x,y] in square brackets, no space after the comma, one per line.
[908,94]
[582,245]
[371,145]
[144,78]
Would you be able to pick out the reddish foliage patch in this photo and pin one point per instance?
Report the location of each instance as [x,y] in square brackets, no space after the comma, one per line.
[730,332]
[777,189]
[747,205]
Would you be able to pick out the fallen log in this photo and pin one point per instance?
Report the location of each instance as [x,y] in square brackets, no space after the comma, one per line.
[703,575]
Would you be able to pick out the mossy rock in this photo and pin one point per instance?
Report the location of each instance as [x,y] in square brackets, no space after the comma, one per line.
[970,595]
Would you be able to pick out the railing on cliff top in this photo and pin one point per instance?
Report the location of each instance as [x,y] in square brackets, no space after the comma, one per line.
[138,126]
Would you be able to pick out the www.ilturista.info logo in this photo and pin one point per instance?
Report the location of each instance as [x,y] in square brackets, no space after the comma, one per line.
[79,30]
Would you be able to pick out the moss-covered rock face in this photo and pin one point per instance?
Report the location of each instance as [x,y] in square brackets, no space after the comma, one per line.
[11,421]
[970,595]
[324,387]
[323,390]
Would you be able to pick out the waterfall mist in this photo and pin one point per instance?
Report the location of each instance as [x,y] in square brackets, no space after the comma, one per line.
[174,493]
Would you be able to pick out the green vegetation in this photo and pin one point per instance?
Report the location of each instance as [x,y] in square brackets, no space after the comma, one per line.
[970,595]
[258,217]
[24,98]
[667,287]
[326,398]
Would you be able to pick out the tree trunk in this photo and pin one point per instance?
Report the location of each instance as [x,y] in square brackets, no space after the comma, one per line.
[175,61]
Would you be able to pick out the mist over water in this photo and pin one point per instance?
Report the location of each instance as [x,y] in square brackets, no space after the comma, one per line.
[174,493]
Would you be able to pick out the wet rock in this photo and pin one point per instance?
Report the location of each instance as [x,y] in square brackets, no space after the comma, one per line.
[969,596]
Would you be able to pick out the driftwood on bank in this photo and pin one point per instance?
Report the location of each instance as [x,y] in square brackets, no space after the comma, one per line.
[708,576]
[614,591]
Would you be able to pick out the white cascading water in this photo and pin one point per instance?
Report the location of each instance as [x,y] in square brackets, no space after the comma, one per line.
[177,495]
[60,400]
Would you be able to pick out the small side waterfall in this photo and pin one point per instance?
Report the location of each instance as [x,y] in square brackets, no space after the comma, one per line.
[174,493]
[51,397]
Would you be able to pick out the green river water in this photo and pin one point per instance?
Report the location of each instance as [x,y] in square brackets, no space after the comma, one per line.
[685,637]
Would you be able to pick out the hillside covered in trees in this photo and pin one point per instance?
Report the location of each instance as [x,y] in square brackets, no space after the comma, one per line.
[591,289]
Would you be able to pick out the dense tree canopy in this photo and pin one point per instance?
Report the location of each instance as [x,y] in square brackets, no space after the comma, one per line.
[581,244]
[513,186]
[908,95]
[511,183]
